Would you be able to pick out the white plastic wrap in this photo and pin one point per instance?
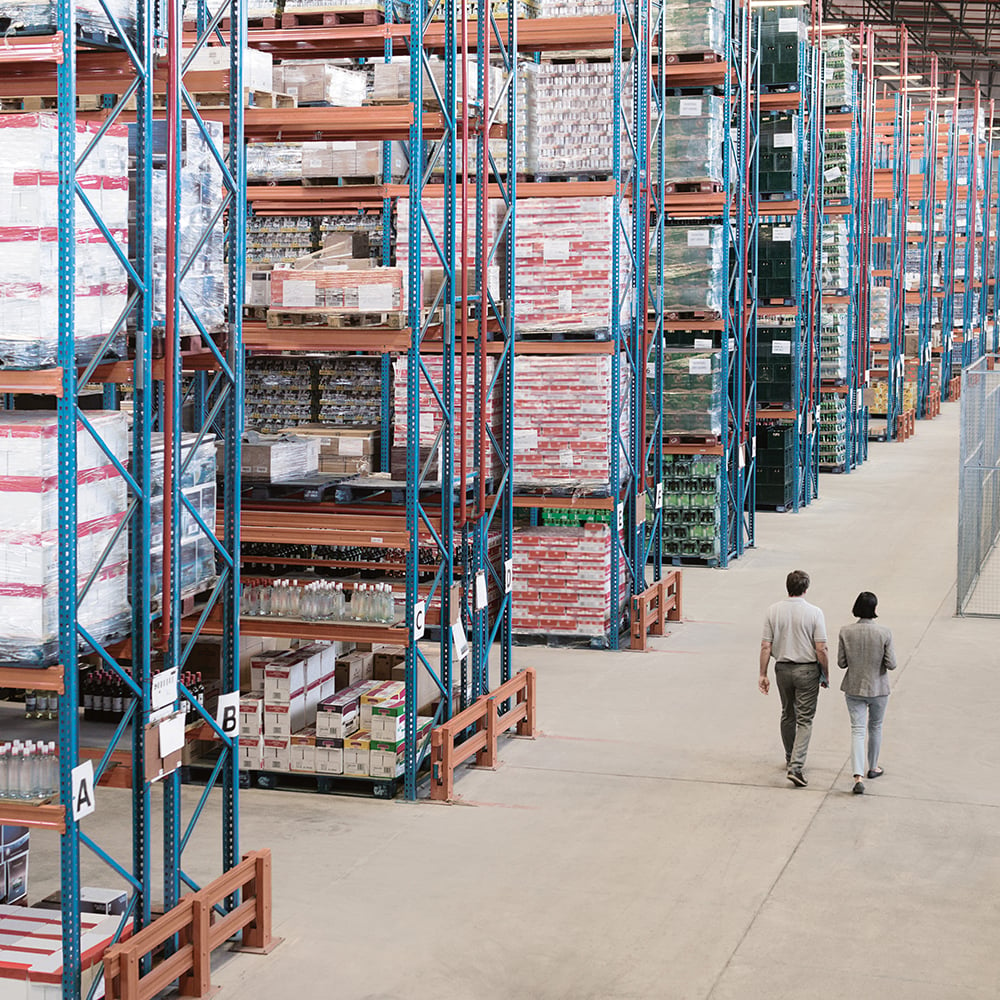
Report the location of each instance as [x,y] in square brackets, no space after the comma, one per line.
[90,17]
[29,246]
[318,81]
[693,268]
[29,539]
[834,330]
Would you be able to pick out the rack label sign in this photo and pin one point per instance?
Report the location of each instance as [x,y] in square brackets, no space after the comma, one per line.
[82,784]
[227,715]
[621,517]
[784,140]
[781,347]
[781,234]
[701,344]
[460,641]
[481,597]
[700,366]
[690,107]
[163,689]
[419,619]
[659,496]
[508,576]
[788,25]
[699,237]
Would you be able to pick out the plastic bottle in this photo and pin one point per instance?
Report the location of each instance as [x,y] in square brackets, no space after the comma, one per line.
[53,782]
[30,704]
[4,770]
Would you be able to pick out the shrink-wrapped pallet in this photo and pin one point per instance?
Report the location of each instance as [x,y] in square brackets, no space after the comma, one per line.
[373,290]
[91,17]
[563,422]
[835,266]
[693,27]
[566,283]
[838,59]
[29,241]
[318,81]
[694,260]
[692,393]
[562,580]
[694,139]
[834,330]
[29,533]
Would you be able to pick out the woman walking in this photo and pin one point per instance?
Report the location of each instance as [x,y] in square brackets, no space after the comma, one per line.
[865,651]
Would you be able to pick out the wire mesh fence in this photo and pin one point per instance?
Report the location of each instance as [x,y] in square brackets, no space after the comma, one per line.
[979,491]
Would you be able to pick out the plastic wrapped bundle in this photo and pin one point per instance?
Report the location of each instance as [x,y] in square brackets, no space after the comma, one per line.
[279,239]
[91,20]
[913,268]
[573,8]
[839,62]
[198,485]
[695,133]
[29,536]
[562,580]
[879,320]
[273,161]
[694,27]
[692,393]
[693,269]
[391,82]
[833,344]
[562,421]
[565,279]
[832,431]
[499,8]
[29,245]
[318,81]
[836,165]
[836,261]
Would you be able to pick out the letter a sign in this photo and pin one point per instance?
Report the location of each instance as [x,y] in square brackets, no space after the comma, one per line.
[82,783]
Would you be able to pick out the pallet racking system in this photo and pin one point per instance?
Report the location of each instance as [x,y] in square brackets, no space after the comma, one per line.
[128,66]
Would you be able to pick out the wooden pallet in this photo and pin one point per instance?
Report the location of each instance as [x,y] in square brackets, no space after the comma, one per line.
[693,57]
[335,319]
[214,100]
[693,187]
[691,315]
[84,102]
[331,17]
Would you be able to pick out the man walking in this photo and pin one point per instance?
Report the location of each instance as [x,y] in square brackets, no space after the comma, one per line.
[795,635]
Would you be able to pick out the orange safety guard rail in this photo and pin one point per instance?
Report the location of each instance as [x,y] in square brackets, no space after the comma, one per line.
[200,930]
[654,607]
[484,714]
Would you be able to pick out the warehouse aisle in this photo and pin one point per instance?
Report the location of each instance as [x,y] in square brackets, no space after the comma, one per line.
[648,845]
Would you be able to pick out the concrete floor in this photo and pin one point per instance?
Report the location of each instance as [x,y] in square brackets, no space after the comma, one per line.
[647,846]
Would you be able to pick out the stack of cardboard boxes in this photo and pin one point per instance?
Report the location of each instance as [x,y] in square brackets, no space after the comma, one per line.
[326,709]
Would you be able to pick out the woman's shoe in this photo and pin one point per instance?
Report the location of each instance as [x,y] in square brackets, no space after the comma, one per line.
[859,787]
[877,773]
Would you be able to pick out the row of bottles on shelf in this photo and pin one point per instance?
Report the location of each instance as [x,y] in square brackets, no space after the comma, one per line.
[320,600]
[28,770]
[41,705]
[106,697]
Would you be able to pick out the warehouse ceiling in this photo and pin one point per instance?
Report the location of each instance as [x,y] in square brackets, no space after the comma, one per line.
[965,35]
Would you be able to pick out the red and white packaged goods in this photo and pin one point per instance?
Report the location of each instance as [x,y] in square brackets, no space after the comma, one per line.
[333,288]
[29,244]
[564,268]
[562,420]
[29,550]
[562,580]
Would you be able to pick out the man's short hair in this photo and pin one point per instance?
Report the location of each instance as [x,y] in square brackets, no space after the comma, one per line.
[797,583]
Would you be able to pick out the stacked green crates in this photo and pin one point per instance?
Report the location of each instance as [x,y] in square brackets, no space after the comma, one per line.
[775,367]
[573,518]
[836,165]
[692,494]
[781,30]
[838,61]
[775,465]
[832,432]
[776,276]
[778,165]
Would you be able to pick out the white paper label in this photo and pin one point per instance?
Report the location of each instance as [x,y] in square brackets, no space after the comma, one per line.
[700,366]
[784,140]
[171,734]
[555,250]
[353,447]
[459,640]
[566,458]
[621,517]
[781,347]
[375,298]
[82,784]
[163,688]
[524,248]
[742,458]
[298,294]
[701,344]
[376,539]
[786,25]
[565,300]
[691,107]
[481,596]
[832,174]
[525,440]
[659,496]
[781,234]
[699,237]
[227,713]
[426,422]
[292,91]
[419,620]
[650,370]
[508,576]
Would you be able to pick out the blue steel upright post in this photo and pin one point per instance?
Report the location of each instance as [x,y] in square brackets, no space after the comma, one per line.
[948,265]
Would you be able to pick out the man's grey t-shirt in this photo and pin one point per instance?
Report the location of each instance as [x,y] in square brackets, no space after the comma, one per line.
[793,627]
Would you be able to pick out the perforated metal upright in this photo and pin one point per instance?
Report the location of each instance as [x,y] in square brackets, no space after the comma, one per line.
[899,213]
[927,270]
[429,514]
[221,415]
[948,266]
[973,334]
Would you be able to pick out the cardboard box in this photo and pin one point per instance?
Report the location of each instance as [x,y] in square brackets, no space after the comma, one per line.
[340,716]
[378,695]
[273,459]
[347,450]
[317,81]
[251,714]
[388,720]
[280,721]
[387,758]
[353,668]
[329,755]
[302,751]
[251,753]
[338,286]
[387,658]
[357,753]
[275,755]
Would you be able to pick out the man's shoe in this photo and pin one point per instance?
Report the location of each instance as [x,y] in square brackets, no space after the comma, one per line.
[796,777]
